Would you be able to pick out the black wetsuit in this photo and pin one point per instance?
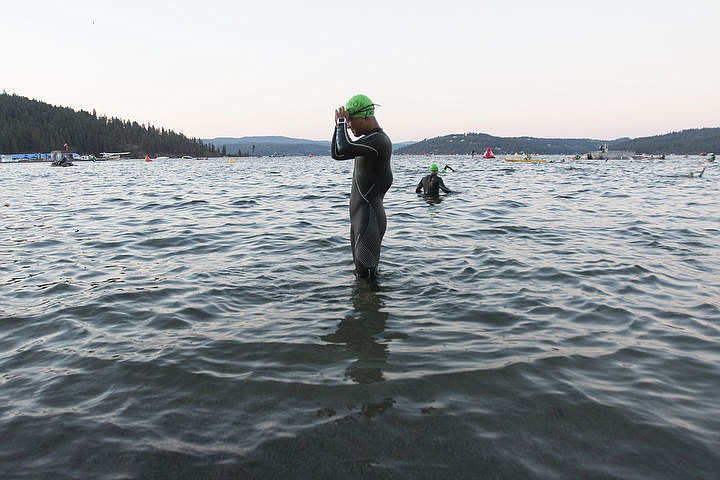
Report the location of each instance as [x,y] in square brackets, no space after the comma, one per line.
[431,185]
[372,177]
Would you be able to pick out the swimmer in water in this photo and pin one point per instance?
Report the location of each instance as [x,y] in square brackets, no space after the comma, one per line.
[432,184]
[691,174]
[372,177]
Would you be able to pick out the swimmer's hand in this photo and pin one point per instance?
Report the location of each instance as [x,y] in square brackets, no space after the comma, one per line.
[341,113]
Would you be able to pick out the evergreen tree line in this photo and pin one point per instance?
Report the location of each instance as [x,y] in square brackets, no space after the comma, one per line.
[30,126]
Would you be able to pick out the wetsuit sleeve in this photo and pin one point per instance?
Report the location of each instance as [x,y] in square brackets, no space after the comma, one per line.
[343,148]
[419,186]
[443,187]
[333,146]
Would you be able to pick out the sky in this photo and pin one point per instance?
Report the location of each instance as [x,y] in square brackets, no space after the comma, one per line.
[218,68]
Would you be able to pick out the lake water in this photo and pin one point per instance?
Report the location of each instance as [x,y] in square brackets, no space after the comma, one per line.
[200,319]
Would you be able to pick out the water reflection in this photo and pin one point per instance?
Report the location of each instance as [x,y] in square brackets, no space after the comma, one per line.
[432,199]
[358,331]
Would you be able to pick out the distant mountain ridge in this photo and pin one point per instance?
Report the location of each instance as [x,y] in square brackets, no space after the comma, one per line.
[457,144]
[269,145]
[265,139]
[689,142]
[692,141]
[276,145]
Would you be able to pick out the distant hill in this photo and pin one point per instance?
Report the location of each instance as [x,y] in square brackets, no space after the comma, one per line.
[266,139]
[398,145]
[688,142]
[270,145]
[467,142]
[685,142]
[276,145]
[30,126]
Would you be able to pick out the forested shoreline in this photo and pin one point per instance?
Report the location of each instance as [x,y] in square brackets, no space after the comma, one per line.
[31,126]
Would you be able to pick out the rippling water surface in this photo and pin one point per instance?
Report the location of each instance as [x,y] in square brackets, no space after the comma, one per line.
[200,319]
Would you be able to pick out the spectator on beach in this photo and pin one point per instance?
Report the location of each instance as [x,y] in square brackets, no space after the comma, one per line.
[432,184]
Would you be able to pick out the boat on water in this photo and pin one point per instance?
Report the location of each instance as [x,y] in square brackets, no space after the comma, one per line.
[61,158]
[605,154]
[24,157]
[112,155]
[645,156]
[524,158]
[488,153]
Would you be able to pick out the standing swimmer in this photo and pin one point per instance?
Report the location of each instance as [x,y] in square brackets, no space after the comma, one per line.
[432,184]
[372,177]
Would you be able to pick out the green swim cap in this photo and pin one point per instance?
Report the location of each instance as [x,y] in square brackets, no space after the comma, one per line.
[360,106]
[433,167]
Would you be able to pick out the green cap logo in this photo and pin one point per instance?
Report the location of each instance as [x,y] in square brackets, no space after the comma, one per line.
[360,106]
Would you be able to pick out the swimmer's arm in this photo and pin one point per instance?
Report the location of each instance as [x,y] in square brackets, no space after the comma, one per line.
[346,148]
[333,149]
[443,187]
[341,117]
[419,187]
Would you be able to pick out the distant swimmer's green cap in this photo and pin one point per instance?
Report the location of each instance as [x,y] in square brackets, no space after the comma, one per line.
[433,167]
[360,106]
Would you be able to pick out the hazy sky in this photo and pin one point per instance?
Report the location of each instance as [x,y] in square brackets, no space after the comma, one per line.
[551,68]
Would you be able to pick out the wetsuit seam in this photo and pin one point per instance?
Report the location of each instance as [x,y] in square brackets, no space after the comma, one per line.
[369,184]
[365,195]
[351,143]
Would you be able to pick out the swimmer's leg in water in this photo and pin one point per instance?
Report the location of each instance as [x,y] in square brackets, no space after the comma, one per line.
[360,269]
[367,228]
